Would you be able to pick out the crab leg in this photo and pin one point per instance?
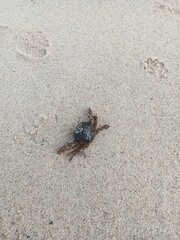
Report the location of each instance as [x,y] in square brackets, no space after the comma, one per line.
[102,128]
[93,119]
[67,147]
[75,151]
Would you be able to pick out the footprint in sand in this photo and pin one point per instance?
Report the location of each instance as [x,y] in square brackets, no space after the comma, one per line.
[32,44]
[37,134]
[169,8]
[154,66]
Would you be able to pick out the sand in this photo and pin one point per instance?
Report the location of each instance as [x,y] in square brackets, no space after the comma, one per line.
[121,58]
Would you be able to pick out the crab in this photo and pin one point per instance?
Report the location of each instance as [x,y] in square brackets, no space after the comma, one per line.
[84,134]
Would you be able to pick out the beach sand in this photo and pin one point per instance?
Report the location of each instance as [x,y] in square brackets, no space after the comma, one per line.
[57,59]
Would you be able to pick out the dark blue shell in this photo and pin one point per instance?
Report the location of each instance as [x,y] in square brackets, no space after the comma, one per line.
[84,132]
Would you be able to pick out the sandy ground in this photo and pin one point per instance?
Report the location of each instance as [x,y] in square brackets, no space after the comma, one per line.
[121,58]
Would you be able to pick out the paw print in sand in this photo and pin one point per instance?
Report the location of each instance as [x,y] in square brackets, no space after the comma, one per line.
[32,44]
[154,66]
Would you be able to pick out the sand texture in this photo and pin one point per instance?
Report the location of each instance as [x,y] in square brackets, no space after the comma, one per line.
[122,59]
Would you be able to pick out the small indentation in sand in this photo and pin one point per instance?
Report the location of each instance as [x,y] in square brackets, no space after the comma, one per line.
[154,66]
[32,44]
[36,135]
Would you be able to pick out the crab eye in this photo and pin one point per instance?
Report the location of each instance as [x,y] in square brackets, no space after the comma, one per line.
[78,129]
